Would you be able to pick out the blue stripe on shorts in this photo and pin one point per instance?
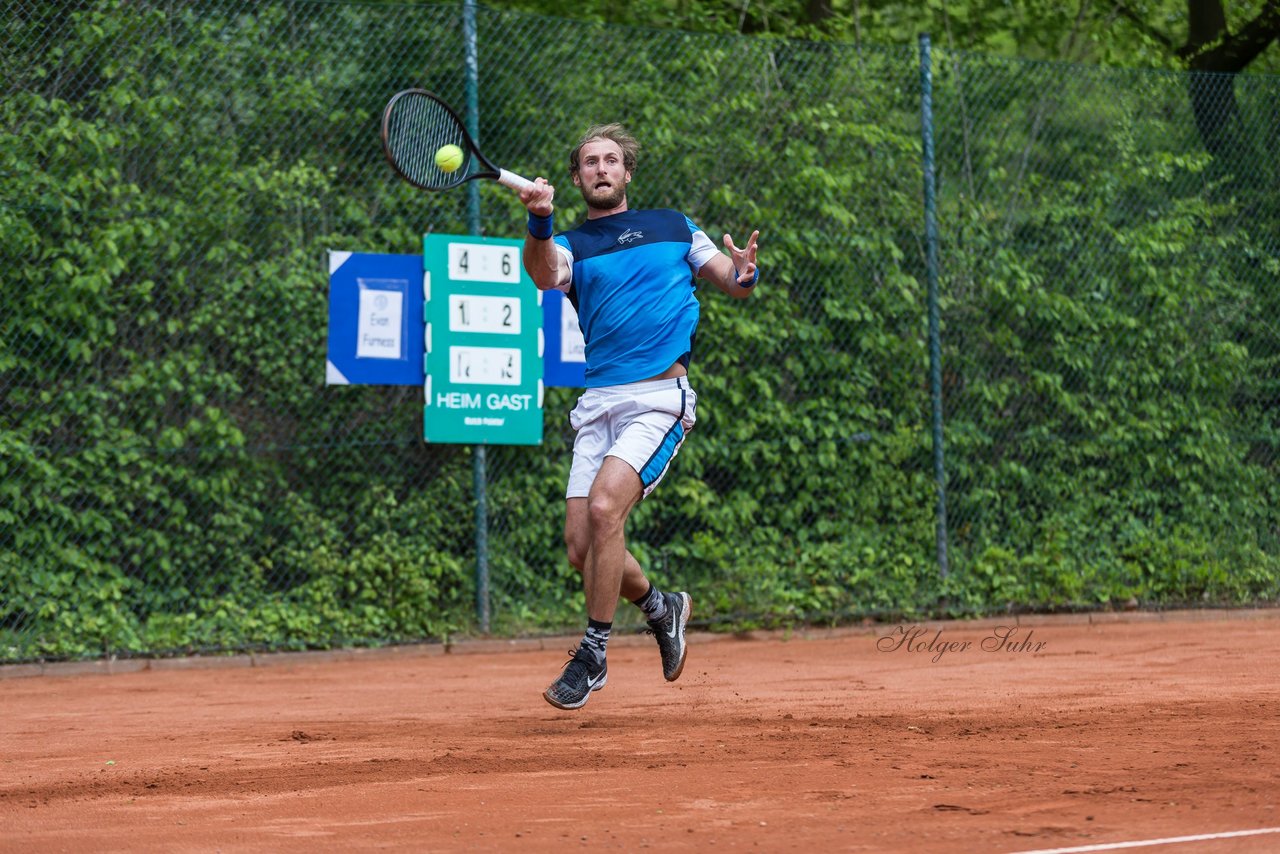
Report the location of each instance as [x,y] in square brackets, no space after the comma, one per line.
[662,457]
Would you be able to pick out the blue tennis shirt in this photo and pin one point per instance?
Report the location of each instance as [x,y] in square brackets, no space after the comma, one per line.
[633,282]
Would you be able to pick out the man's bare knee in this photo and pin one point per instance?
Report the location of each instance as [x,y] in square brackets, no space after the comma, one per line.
[577,552]
[577,532]
[606,512]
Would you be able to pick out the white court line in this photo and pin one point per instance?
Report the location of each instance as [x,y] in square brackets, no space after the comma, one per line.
[1143,843]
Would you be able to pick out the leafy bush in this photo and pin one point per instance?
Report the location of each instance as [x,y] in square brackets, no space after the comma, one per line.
[174,476]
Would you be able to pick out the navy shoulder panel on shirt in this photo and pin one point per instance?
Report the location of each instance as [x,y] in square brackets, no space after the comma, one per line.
[627,230]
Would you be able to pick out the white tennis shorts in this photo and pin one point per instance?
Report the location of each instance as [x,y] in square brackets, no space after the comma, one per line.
[643,424]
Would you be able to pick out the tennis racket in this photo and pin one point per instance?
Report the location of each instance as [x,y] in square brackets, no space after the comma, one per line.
[415,125]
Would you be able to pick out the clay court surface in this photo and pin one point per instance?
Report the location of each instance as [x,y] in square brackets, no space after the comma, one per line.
[1115,728]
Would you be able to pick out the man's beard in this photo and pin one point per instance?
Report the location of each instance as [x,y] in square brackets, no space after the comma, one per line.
[613,197]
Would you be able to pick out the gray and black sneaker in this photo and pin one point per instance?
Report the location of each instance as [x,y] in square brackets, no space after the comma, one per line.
[670,634]
[582,675]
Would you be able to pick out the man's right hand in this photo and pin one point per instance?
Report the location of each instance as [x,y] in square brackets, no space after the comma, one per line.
[538,198]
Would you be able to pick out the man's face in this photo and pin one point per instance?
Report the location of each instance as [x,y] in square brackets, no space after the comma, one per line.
[601,176]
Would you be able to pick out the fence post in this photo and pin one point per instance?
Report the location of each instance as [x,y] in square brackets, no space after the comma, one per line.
[479,474]
[931,272]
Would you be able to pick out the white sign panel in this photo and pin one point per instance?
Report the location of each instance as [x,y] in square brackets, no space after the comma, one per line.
[496,315]
[484,365]
[573,348]
[483,262]
[378,328]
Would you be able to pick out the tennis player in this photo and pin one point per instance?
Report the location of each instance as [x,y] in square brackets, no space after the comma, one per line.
[631,275]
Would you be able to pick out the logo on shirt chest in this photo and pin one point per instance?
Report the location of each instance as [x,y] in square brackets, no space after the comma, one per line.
[629,236]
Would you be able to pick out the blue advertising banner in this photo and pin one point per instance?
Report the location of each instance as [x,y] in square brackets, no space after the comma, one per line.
[564,359]
[375,319]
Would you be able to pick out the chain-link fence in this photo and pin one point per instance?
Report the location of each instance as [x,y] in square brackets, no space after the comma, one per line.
[176,475]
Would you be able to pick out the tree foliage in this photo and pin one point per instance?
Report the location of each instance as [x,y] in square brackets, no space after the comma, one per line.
[1206,35]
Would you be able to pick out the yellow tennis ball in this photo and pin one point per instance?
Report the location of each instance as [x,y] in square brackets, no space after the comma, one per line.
[449,158]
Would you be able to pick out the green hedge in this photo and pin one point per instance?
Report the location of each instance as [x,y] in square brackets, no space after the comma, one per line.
[175,476]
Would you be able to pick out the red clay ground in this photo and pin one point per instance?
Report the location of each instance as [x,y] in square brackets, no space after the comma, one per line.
[1129,728]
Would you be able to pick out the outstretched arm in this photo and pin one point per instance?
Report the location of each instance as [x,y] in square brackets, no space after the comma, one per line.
[736,273]
[545,265]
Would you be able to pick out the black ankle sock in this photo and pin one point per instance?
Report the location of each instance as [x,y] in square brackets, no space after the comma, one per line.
[597,637]
[653,603]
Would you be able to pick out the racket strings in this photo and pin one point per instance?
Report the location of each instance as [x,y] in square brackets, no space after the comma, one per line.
[417,127]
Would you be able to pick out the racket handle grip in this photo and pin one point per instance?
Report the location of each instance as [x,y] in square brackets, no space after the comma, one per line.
[513,180]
